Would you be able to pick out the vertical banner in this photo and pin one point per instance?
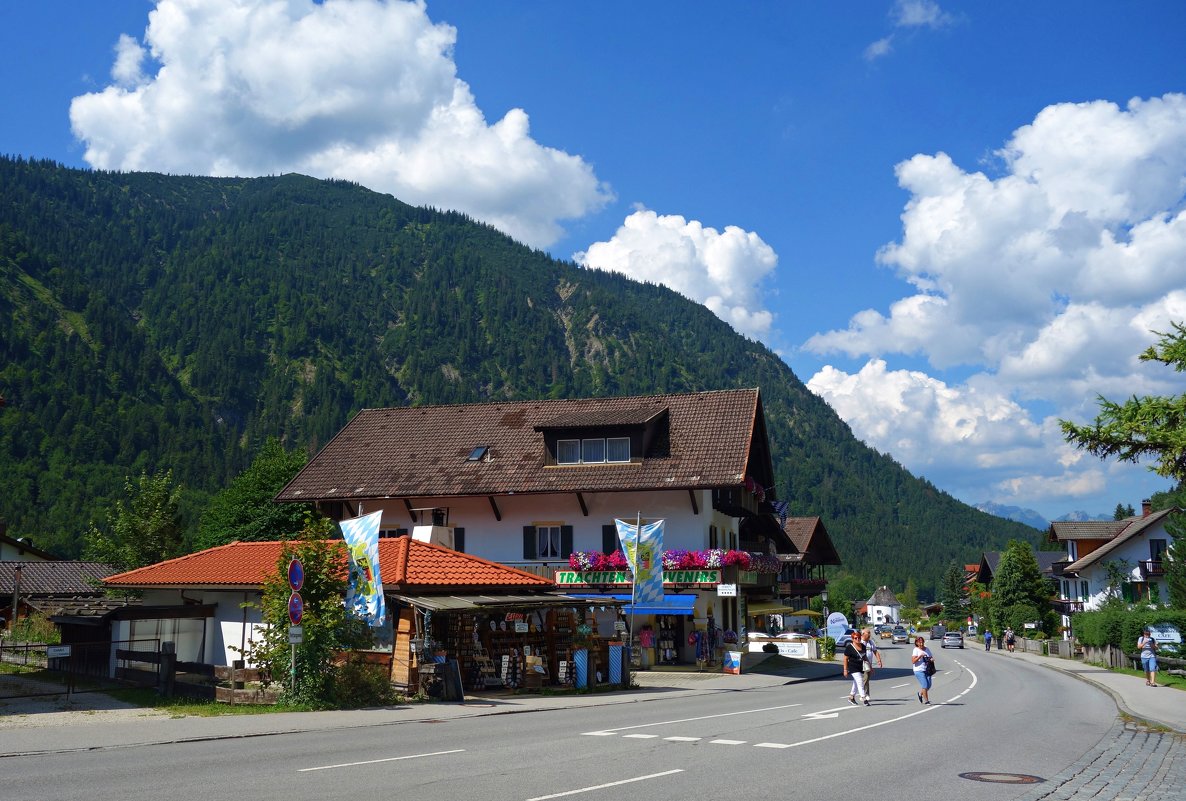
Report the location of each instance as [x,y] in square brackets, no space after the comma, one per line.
[364,594]
[644,550]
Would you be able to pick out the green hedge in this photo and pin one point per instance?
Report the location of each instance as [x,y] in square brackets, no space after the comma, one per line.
[1120,627]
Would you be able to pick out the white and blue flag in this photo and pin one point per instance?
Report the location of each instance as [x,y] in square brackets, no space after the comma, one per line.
[364,593]
[643,545]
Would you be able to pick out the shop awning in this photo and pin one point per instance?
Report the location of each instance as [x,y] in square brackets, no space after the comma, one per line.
[672,604]
[768,608]
[467,603]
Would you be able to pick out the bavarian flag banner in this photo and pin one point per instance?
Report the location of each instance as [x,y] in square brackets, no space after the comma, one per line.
[643,545]
[364,593]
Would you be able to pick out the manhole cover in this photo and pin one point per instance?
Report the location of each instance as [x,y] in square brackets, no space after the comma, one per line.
[1001,778]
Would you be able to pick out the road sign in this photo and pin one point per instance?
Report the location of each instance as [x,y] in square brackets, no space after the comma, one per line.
[296,634]
[57,651]
[296,575]
[296,608]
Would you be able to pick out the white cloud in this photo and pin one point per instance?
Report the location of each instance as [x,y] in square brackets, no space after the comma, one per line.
[357,89]
[721,269]
[907,15]
[1045,280]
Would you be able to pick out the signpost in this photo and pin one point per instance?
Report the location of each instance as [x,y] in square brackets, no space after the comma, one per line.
[296,610]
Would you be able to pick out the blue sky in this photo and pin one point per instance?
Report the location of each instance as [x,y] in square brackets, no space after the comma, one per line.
[956,222]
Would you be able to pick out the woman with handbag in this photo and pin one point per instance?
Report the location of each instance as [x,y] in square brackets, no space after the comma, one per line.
[854,665]
[924,668]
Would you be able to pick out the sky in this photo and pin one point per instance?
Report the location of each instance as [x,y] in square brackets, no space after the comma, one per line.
[958,223]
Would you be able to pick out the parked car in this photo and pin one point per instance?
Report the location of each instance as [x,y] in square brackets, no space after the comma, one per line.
[953,639]
[844,638]
[900,634]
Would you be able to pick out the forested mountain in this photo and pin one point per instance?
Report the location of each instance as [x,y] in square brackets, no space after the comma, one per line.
[153,322]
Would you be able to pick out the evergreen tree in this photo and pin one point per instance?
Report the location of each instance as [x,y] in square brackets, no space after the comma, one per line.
[1175,565]
[951,591]
[1151,427]
[1020,594]
[245,511]
[143,528]
[1122,511]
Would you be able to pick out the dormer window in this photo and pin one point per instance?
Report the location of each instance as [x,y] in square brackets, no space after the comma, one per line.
[477,454]
[593,450]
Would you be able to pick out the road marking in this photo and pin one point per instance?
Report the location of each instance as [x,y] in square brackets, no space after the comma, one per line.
[727,742]
[607,732]
[900,686]
[603,786]
[376,761]
[683,739]
[821,715]
[641,736]
[771,745]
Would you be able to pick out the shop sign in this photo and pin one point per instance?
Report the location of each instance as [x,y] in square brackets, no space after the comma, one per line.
[1165,633]
[512,616]
[727,590]
[520,626]
[581,578]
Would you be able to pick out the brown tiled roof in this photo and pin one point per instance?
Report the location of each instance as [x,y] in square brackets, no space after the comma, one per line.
[54,578]
[884,596]
[1134,527]
[422,451]
[1088,529]
[603,417]
[811,539]
[403,563]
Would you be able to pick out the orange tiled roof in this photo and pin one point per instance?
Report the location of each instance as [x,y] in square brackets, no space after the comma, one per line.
[694,440]
[404,563]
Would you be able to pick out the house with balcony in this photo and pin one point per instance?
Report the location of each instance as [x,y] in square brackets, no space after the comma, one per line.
[1107,557]
[528,484]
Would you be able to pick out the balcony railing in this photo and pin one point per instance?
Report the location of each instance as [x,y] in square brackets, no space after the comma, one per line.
[1066,607]
[805,587]
[1152,567]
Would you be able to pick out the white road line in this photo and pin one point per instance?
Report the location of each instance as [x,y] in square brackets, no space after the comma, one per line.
[900,686]
[641,736]
[605,732]
[727,742]
[376,761]
[683,739]
[771,745]
[603,786]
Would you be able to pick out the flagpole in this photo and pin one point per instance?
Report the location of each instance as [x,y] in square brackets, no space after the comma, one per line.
[634,588]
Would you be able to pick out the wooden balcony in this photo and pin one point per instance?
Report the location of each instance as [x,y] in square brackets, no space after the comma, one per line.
[802,587]
[1066,607]
[1151,568]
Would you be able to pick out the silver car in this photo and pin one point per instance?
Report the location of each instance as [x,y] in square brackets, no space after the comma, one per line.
[953,639]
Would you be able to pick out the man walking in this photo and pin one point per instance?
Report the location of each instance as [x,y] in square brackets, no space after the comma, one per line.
[987,640]
[1148,648]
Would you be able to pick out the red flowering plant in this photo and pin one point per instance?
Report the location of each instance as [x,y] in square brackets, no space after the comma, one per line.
[595,560]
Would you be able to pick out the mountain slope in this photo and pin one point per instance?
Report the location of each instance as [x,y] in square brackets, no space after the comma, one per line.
[151,322]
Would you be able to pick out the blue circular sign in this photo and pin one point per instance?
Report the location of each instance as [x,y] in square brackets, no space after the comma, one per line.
[296,575]
[296,608]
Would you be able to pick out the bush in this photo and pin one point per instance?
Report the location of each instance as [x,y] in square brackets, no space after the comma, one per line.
[36,628]
[358,684]
[1120,628]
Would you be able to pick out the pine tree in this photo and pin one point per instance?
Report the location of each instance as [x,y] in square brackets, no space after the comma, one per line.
[951,591]
[1020,594]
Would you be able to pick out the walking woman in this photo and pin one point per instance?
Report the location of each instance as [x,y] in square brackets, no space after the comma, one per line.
[922,659]
[854,665]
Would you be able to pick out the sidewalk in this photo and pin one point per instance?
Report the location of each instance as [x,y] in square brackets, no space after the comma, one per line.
[45,734]
[1157,705]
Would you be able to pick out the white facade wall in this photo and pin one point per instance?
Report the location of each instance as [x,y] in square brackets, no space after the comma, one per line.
[1132,552]
[502,540]
[882,614]
[210,640]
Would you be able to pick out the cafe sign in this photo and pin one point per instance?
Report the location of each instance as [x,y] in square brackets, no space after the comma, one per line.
[585,578]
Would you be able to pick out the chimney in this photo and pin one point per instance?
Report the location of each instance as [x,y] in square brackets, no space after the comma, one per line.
[1146,507]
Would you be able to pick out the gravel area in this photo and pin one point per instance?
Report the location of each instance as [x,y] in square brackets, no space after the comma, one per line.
[58,710]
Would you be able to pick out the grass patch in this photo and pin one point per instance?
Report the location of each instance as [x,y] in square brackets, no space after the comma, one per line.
[1163,679]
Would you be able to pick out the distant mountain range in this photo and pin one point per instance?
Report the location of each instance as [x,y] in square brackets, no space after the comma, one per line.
[1032,518]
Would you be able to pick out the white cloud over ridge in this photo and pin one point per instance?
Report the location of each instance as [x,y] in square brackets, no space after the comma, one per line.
[355,89]
[721,269]
[1045,282]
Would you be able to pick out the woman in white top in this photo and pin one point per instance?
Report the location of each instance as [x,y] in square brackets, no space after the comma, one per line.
[920,658]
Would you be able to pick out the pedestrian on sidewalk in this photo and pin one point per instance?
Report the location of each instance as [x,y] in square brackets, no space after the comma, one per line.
[923,661]
[1010,639]
[854,665]
[987,640]
[872,652]
[1148,647]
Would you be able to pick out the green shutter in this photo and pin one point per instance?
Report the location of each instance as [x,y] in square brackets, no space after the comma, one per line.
[529,542]
[565,541]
